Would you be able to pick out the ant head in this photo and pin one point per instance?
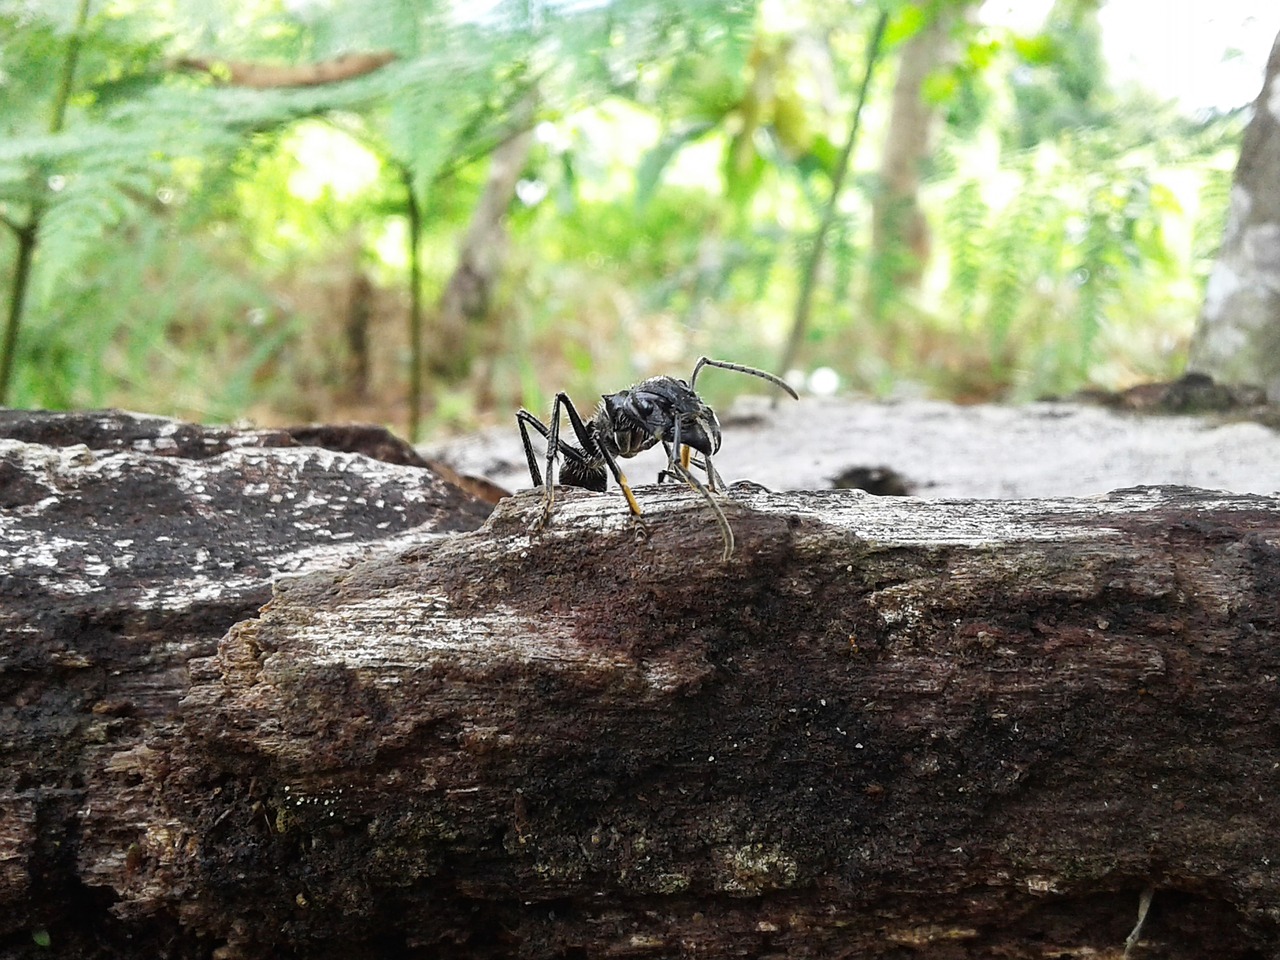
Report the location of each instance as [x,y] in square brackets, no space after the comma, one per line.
[658,409]
[630,420]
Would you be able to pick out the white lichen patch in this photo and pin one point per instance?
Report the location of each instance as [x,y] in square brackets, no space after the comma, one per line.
[66,468]
[39,463]
[1042,885]
[665,677]
[192,591]
[183,593]
[178,572]
[756,867]
[392,633]
[926,934]
[58,564]
[916,522]
[43,555]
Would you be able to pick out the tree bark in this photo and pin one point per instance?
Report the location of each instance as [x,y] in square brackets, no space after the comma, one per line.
[886,727]
[1237,340]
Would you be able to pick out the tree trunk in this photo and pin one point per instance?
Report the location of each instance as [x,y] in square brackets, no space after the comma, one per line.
[468,296]
[1237,340]
[886,727]
[355,327]
[900,239]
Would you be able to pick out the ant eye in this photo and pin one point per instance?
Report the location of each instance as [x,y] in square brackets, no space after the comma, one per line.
[643,406]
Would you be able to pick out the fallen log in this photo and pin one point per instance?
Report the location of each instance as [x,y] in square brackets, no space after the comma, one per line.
[886,727]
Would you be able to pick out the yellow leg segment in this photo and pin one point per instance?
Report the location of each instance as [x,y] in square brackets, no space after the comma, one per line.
[626,492]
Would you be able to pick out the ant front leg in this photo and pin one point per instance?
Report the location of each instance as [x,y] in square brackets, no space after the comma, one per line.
[583,467]
[714,480]
[676,468]
[687,460]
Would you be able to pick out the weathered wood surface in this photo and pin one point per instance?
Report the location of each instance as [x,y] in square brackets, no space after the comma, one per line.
[128,546]
[885,728]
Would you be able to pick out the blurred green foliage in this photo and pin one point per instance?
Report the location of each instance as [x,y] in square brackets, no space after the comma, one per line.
[217,251]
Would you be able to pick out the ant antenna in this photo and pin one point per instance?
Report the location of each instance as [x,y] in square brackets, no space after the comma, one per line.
[726,365]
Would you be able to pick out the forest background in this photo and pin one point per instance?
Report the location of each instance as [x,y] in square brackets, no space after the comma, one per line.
[427,214]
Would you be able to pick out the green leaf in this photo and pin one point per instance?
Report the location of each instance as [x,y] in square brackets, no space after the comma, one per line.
[744,169]
[649,173]
[1165,200]
[825,154]
[911,19]
[980,54]
[940,87]
[1037,51]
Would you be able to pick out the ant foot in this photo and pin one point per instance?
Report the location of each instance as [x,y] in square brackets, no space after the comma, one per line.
[641,528]
[542,519]
[746,487]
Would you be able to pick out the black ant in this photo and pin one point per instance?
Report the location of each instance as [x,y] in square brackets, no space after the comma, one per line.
[658,410]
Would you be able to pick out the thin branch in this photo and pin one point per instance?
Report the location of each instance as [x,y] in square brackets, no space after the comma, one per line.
[494,137]
[809,282]
[414,211]
[17,302]
[269,76]
[28,234]
[65,82]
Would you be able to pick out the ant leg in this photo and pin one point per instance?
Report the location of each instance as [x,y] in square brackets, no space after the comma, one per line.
[663,475]
[525,419]
[590,445]
[675,468]
[714,480]
[584,474]
[573,457]
[726,532]
[553,447]
[636,513]
[621,478]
